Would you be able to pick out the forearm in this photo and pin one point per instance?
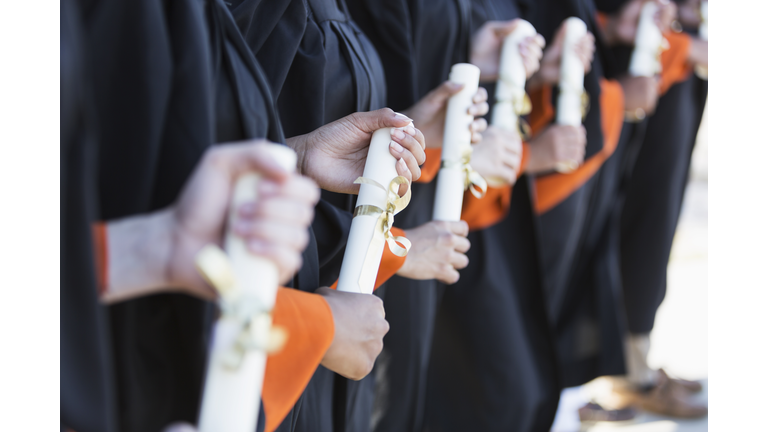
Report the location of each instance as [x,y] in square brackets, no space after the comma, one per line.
[138,253]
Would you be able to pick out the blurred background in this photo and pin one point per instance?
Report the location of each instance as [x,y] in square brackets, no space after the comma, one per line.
[679,338]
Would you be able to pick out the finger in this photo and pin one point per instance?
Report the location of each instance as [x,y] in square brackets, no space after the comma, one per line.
[278,209]
[537,53]
[402,170]
[458,260]
[507,172]
[297,187]
[413,166]
[478,109]
[447,274]
[477,138]
[478,125]
[411,144]
[287,260]
[461,244]
[259,232]
[582,134]
[540,41]
[481,95]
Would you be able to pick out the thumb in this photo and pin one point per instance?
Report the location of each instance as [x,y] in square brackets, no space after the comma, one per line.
[559,38]
[371,121]
[240,158]
[442,93]
[503,28]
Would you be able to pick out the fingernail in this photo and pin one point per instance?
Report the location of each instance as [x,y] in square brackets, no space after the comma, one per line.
[401,117]
[455,85]
[396,147]
[402,164]
[398,133]
[472,111]
[410,130]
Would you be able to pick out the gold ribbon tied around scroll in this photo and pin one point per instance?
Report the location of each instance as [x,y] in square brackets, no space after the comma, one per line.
[523,107]
[253,319]
[386,219]
[473,181]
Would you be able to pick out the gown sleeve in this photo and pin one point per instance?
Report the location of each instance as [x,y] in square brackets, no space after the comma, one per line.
[100,256]
[309,322]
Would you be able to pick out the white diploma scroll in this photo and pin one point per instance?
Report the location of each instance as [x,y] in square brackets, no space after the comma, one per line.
[377,203]
[243,335]
[511,101]
[570,101]
[649,42]
[457,145]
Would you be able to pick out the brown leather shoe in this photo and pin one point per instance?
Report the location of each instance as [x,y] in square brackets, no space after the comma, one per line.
[593,412]
[689,386]
[665,398]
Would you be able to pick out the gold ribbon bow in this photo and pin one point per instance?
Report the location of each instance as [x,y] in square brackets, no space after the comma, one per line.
[472,179]
[252,319]
[395,204]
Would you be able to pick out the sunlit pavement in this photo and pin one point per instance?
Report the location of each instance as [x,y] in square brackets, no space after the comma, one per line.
[679,338]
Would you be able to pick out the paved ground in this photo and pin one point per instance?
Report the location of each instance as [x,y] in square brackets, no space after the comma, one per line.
[679,339]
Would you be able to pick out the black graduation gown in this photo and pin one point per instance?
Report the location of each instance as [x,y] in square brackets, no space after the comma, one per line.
[87,397]
[578,251]
[322,68]
[654,196]
[418,42]
[172,78]
[492,365]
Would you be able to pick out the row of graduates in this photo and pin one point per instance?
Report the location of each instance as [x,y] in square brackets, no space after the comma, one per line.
[148,88]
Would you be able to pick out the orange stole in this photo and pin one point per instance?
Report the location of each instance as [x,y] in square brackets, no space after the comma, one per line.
[390,263]
[552,189]
[480,213]
[309,322]
[432,166]
[674,61]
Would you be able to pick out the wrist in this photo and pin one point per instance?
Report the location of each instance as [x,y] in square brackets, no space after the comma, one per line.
[140,250]
[299,145]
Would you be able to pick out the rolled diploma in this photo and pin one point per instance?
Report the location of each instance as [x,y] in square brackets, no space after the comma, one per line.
[510,88]
[648,41]
[379,166]
[232,395]
[457,139]
[569,105]
[704,26]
